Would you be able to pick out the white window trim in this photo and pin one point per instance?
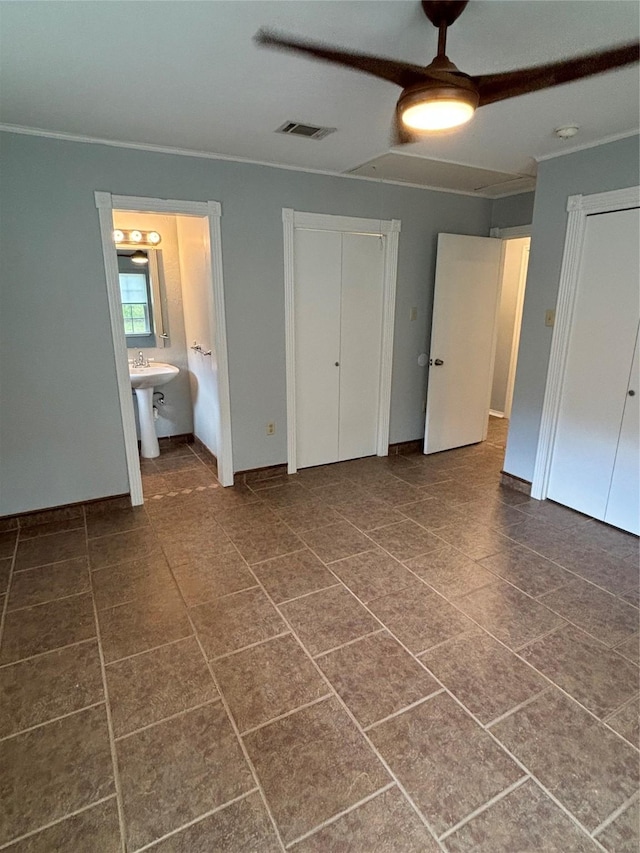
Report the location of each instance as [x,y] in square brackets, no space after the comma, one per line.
[389,230]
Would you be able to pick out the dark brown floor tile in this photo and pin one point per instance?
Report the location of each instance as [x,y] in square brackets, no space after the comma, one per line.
[422,475]
[598,613]
[286,495]
[394,491]
[524,820]
[610,539]
[49,686]
[527,570]
[46,627]
[186,542]
[154,484]
[488,679]
[453,491]
[239,522]
[336,541]
[94,829]
[142,624]
[630,649]
[623,834]
[372,574]
[386,823]
[240,827]
[268,680]
[626,722]
[508,614]
[8,541]
[173,772]
[181,462]
[555,514]
[50,549]
[47,583]
[212,576]
[419,617]
[5,571]
[475,540]
[149,687]
[190,479]
[450,572]
[596,676]
[293,575]
[368,512]
[494,514]
[263,543]
[121,547]
[615,574]
[313,765]
[327,619]
[587,767]
[406,539]
[320,475]
[632,597]
[53,770]
[447,763]
[142,578]
[308,515]
[61,525]
[339,491]
[433,514]
[116,521]
[376,677]
[238,620]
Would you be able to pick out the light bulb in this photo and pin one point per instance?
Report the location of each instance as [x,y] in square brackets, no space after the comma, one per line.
[153,237]
[135,236]
[437,114]
[118,236]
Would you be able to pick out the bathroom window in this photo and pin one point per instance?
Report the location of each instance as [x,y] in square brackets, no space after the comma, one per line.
[139,294]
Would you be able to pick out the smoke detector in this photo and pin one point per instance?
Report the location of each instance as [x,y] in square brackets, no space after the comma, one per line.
[567,131]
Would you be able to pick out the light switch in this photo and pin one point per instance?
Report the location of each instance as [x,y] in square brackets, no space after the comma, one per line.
[413,314]
[550,317]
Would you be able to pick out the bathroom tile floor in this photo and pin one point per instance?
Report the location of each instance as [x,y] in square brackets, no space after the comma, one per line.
[379,656]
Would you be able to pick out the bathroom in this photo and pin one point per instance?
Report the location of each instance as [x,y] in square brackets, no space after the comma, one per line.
[180,318]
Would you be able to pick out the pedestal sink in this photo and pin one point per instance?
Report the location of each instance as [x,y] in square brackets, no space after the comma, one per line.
[144,379]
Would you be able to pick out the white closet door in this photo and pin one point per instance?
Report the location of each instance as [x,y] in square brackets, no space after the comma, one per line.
[623,506]
[317,275]
[361,344]
[599,358]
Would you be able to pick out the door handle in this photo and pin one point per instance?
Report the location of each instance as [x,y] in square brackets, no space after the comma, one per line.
[632,393]
[438,362]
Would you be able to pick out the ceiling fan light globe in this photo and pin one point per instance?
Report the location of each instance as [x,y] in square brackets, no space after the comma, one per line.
[437,115]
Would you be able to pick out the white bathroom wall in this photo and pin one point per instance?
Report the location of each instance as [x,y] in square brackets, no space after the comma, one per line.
[199,322]
[506,322]
[175,416]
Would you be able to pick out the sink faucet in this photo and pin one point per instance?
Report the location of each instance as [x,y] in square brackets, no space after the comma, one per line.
[140,360]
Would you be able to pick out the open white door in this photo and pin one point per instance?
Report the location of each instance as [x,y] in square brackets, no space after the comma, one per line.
[463,338]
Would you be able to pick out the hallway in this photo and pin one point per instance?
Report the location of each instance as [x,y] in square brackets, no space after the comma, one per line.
[388,655]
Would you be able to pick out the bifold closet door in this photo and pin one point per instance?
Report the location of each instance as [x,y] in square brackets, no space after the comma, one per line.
[317,296]
[360,344]
[599,359]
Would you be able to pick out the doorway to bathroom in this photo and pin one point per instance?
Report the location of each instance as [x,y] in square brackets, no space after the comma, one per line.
[184,324]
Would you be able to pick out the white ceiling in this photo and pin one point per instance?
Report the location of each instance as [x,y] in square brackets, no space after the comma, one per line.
[183,74]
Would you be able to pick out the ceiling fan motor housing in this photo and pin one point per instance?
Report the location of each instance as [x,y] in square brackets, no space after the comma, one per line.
[463,91]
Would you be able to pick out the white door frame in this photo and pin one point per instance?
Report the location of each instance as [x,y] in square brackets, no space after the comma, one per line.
[212,210]
[578,207]
[389,230]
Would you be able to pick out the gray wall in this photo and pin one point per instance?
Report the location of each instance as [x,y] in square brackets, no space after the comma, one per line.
[608,167]
[513,210]
[60,432]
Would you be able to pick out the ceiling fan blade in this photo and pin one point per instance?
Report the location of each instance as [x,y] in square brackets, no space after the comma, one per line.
[401,73]
[498,87]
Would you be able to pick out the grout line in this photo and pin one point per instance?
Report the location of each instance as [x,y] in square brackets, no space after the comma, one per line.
[86,591]
[402,710]
[349,642]
[615,814]
[485,806]
[49,651]
[307,594]
[341,814]
[196,820]
[112,742]
[146,651]
[52,720]
[5,604]
[119,738]
[45,826]
[310,704]
[516,708]
[250,646]
[627,703]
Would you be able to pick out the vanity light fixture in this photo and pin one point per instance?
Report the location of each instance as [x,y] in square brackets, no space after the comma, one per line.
[135,237]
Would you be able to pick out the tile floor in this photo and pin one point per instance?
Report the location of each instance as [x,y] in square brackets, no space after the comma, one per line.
[378,656]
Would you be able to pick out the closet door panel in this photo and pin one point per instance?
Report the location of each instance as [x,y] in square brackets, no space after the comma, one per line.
[623,507]
[317,276]
[598,361]
[360,343]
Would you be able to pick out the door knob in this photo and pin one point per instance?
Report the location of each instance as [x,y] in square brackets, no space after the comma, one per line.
[438,362]
[632,393]
[337,364]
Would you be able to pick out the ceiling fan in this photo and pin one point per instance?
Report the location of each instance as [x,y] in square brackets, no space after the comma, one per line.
[440,96]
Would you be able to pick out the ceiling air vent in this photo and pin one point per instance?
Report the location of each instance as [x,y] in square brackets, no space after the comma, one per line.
[309,131]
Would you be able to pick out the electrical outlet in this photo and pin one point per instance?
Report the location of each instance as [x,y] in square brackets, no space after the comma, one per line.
[413,314]
[271,428]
